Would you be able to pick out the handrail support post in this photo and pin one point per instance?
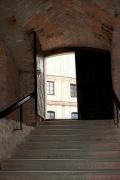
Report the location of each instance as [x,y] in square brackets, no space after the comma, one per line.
[21,117]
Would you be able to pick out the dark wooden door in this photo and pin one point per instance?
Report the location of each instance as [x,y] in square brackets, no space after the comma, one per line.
[93,74]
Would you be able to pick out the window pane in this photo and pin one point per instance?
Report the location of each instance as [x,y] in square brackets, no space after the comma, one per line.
[74,115]
[50,114]
[73,90]
[50,87]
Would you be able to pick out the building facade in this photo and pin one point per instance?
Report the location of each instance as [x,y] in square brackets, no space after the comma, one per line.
[61,87]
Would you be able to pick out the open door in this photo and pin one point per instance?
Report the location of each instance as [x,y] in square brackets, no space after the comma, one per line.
[94,84]
[39,78]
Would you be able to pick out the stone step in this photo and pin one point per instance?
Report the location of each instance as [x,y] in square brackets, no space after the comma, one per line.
[80,129]
[69,154]
[79,154]
[58,165]
[61,175]
[70,145]
[74,137]
[77,137]
[82,122]
[71,132]
[83,130]
[60,145]
[74,126]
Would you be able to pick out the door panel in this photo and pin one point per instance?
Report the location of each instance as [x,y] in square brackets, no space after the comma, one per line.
[93,74]
[40,80]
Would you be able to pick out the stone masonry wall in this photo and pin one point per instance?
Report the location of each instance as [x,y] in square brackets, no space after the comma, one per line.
[9,138]
[19,76]
[116,57]
[3,74]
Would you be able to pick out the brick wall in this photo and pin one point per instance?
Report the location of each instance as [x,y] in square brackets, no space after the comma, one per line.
[116,56]
[17,66]
[68,23]
[3,86]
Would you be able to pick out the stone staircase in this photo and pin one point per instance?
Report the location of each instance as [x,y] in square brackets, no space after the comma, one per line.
[67,149]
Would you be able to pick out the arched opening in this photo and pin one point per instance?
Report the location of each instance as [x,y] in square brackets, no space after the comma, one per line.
[93,79]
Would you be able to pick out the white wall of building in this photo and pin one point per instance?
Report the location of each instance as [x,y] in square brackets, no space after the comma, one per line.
[62,89]
[62,112]
[61,65]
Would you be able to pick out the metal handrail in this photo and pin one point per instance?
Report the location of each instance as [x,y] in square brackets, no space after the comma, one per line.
[15,106]
[117,107]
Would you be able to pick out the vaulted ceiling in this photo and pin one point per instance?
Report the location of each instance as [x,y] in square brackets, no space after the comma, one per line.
[58,23]
[70,22]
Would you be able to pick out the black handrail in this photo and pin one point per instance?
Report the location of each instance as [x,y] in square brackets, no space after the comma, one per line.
[117,106]
[15,106]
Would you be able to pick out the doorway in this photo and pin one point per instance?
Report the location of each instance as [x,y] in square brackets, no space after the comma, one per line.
[61,91]
[93,82]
